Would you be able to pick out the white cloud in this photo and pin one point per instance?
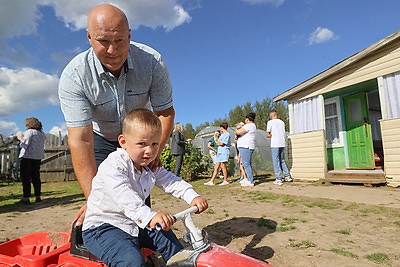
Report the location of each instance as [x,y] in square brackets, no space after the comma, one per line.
[273,2]
[26,89]
[21,17]
[18,17]
[321,35]
[57,130]
[165,13]
[9,128]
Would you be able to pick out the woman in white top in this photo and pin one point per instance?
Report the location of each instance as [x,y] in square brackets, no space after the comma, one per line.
[246,144]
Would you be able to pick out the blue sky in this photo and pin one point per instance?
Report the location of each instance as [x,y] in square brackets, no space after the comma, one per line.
[220,53]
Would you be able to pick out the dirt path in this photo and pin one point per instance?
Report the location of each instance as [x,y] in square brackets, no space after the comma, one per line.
[295,224]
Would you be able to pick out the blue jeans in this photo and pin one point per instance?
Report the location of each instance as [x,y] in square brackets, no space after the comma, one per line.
[118,248]
[278,159]
[245,154]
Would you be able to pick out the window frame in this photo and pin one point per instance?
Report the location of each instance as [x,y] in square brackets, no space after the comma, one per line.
[334,100]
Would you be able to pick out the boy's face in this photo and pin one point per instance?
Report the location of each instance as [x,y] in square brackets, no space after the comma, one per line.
[142,145]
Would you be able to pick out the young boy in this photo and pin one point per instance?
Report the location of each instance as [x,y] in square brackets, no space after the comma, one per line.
[117,221]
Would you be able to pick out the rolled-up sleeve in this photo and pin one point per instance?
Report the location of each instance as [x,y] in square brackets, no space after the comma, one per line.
[161,88]
[74,104]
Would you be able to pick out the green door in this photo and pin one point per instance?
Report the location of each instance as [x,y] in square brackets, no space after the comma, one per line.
[358,132]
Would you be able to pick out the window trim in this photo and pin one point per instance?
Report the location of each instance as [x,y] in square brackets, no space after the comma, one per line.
[335,100]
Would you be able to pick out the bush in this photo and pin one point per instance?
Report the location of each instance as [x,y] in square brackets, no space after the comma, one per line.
[167,159]
[194,163]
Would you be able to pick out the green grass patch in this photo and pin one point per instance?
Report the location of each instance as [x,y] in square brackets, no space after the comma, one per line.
[375,210]
[54,193]
[352,206]
[346,231]
[209,211]
[302,244]
[323,204]
[343,252]
[380,258]
[397,223]
[262,222]
[263,196]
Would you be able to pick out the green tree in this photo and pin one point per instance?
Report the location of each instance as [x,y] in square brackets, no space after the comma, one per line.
[188,131]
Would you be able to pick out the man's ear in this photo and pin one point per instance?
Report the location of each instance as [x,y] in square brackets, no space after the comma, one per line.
[122,140]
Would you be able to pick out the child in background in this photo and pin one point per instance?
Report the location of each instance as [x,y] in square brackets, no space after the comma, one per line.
[117,221]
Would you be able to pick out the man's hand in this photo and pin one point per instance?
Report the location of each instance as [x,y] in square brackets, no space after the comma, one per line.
[79,217]
[201,203]
[156,163]
[164,219]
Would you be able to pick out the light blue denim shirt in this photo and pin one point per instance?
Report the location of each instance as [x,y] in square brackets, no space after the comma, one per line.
[32,144]
[90,94]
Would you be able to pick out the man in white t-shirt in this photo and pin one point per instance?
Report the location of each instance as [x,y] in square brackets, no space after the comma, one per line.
[276,131]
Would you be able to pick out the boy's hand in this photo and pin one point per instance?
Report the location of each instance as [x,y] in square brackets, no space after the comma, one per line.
[201,203]
[164,219]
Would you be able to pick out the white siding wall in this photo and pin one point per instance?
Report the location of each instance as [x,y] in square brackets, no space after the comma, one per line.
[307,155]
[391,147]
[384,62]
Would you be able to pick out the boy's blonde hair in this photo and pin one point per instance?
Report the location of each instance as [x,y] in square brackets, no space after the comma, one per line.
[139,118]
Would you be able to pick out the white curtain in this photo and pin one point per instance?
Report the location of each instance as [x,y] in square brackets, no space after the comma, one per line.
[391,84]
[307,115]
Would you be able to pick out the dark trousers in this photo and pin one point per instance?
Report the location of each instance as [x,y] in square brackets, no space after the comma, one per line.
[30,173]
[102,148]
[117,248]
[178,164]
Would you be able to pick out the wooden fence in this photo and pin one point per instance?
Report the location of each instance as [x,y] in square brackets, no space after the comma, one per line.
[56,166]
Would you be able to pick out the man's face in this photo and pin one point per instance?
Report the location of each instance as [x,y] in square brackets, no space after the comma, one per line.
[110,42]
[142,145]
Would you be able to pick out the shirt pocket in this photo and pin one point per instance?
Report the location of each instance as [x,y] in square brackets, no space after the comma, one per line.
[105,110]
[137,98]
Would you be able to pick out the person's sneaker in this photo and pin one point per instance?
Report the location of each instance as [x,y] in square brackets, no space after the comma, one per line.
[239,180]
[244,181]
[38,199]
[224,183]
[288,179]
[247,184]
[209,183]
[278,182]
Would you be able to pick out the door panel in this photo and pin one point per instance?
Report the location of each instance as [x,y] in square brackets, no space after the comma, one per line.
[358,132]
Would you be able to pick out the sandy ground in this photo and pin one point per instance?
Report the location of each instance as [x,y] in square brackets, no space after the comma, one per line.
[296,224]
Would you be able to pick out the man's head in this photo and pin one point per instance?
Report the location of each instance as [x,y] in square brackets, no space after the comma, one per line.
[141,136]
[109,35]
[273,114]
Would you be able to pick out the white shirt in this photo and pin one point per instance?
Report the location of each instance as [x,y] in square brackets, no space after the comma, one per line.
[119,192]
[277,129]
[248,140]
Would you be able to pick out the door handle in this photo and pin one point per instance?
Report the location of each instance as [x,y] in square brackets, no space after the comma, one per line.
[365,126]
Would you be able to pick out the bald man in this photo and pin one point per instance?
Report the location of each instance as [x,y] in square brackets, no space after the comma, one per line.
[102,84]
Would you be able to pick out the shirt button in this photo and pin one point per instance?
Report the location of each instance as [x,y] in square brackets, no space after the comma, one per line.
[139,221]
[145,190]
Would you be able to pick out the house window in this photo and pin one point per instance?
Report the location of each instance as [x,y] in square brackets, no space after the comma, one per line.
[332,122]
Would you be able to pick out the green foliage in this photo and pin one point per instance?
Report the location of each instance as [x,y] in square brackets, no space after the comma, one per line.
[343,252]
[302,244]
[194,163]
[168,161]
[381,258]
[346,231]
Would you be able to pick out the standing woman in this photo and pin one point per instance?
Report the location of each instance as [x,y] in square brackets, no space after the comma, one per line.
[178,147]
[212,145]
[246,144]
[32,153]
[224,145]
